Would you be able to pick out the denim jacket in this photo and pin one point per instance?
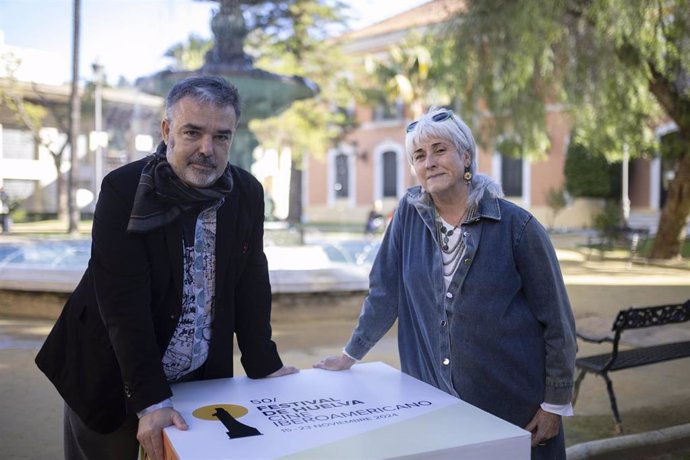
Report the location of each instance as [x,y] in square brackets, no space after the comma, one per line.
[502,336]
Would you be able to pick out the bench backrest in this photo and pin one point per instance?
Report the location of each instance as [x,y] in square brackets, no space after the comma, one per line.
[635,318]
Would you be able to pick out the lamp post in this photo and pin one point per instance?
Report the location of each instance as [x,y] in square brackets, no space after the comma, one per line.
[98,125]
[74,121]
[625,197]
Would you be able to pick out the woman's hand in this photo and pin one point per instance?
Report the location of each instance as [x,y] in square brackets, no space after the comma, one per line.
[335,363]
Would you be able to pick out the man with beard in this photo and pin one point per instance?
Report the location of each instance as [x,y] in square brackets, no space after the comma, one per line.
[177,268]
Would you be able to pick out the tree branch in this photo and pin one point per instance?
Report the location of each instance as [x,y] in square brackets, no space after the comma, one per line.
[51,108]
[675,104]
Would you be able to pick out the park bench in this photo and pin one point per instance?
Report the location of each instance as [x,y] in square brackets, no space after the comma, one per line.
[613,237]
[616,359]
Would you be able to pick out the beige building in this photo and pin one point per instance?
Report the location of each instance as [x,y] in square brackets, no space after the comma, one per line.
[370,164]
[341,186]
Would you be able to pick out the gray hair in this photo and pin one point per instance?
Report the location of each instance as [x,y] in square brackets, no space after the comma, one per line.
[204,89]
[459,134]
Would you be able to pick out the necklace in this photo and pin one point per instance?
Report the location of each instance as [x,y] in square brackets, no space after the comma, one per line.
[450,250]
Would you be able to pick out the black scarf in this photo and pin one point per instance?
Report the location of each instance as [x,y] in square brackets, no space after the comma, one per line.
[161,196]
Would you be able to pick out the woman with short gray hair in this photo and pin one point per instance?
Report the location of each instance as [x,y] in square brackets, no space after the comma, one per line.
[476,288]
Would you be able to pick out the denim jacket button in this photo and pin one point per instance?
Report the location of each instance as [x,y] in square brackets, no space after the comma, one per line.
[468,261]
[449,295]
[443,323]
[446,361]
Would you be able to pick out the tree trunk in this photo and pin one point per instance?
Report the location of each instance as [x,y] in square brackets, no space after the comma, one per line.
[672,96]
[62,198]
[60,189]
[295,206]
[674,216]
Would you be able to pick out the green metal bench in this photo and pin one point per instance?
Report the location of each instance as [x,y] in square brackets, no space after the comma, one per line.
[616,360]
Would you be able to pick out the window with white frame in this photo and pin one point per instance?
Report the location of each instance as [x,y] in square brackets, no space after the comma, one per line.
[18,144]
[342,176]
[389,171]
[511,175]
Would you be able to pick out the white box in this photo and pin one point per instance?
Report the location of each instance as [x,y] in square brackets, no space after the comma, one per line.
[369,411]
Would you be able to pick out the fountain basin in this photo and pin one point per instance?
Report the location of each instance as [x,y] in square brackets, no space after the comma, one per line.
[37,277]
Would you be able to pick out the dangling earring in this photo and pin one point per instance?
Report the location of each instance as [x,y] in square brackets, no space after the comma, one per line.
[468,175]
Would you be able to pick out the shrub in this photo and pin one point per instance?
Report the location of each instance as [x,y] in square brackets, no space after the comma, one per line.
[556,201]
[588,174]
[609,218]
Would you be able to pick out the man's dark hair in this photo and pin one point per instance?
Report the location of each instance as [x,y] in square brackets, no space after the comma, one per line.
[204,89]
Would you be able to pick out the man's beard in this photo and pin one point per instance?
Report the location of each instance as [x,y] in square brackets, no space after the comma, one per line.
[185,171]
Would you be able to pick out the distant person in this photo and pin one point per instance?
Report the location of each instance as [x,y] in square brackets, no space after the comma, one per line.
[4,210]
[270,207]
[375,220]
[475,286]
[177,268]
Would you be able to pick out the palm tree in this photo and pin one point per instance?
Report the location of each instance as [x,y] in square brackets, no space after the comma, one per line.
[404,74]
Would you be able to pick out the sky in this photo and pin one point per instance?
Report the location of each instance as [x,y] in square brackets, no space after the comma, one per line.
[129,37]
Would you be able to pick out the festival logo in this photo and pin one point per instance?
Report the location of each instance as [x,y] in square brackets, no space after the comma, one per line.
[227,414]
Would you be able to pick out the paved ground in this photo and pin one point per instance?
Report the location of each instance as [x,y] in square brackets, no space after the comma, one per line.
[31,411]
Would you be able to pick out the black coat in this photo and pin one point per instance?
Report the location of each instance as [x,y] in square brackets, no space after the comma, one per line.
[104,352]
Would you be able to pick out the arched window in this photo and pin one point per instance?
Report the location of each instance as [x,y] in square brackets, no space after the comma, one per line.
[390,174]
[342,176]
[389,169]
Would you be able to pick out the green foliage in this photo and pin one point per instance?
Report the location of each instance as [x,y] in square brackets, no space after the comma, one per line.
[645,248]
[189,55]
[291,41]
[289,38]
[672,146]
[617,65]
[556,201]
[498,60]
[619,68]
[510,147]
[608,219]
[308,126]
[26,113]
[587,173]
[402,74]
[18,214]
[293,27]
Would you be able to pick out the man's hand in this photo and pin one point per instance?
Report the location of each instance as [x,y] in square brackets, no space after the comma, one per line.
[544,426]
[285,370]
[335,363]
[150,433]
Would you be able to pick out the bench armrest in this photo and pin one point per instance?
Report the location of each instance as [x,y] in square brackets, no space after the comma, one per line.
[588,337]
[594,329]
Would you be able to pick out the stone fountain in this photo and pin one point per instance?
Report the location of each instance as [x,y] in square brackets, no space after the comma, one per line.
[37,276]
[264,94]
